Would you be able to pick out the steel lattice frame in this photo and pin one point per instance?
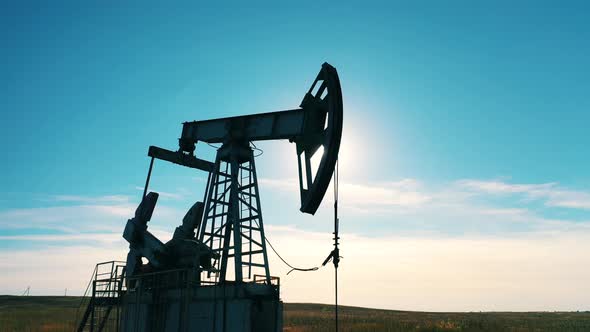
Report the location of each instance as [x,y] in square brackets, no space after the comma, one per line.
[233,211]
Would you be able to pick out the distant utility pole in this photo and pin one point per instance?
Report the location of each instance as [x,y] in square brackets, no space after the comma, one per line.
[27,291]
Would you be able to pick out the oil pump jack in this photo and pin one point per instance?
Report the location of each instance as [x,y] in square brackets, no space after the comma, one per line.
[213,275]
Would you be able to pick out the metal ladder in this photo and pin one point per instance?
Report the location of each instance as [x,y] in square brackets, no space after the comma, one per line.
[99,309]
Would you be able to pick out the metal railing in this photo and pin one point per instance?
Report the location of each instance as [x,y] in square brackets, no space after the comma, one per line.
[101,297]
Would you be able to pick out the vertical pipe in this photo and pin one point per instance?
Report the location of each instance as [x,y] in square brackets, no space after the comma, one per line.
[336,291]
[336,256]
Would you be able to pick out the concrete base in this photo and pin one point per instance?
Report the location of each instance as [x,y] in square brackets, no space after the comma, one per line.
[246,307]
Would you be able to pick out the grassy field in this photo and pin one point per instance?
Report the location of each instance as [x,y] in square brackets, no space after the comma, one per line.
[55,313]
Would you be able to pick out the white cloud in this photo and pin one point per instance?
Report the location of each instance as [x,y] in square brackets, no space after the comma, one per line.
[551,193]
[456,207]
[55,268]
[535,271]
[91,199]
[526,261]
[65,238]
[404,193]
[280,184]
[411,196]
[499,187]
[83,218]
[67,218]
[164,194]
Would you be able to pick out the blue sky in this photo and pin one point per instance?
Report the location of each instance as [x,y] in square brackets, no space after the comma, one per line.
[463,122]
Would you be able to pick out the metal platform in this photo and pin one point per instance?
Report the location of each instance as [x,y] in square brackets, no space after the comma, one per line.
[175,300]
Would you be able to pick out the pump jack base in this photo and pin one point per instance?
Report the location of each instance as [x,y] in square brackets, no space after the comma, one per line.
[167,302]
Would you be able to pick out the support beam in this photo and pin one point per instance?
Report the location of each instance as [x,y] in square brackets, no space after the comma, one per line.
[180,158]
[256,127]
